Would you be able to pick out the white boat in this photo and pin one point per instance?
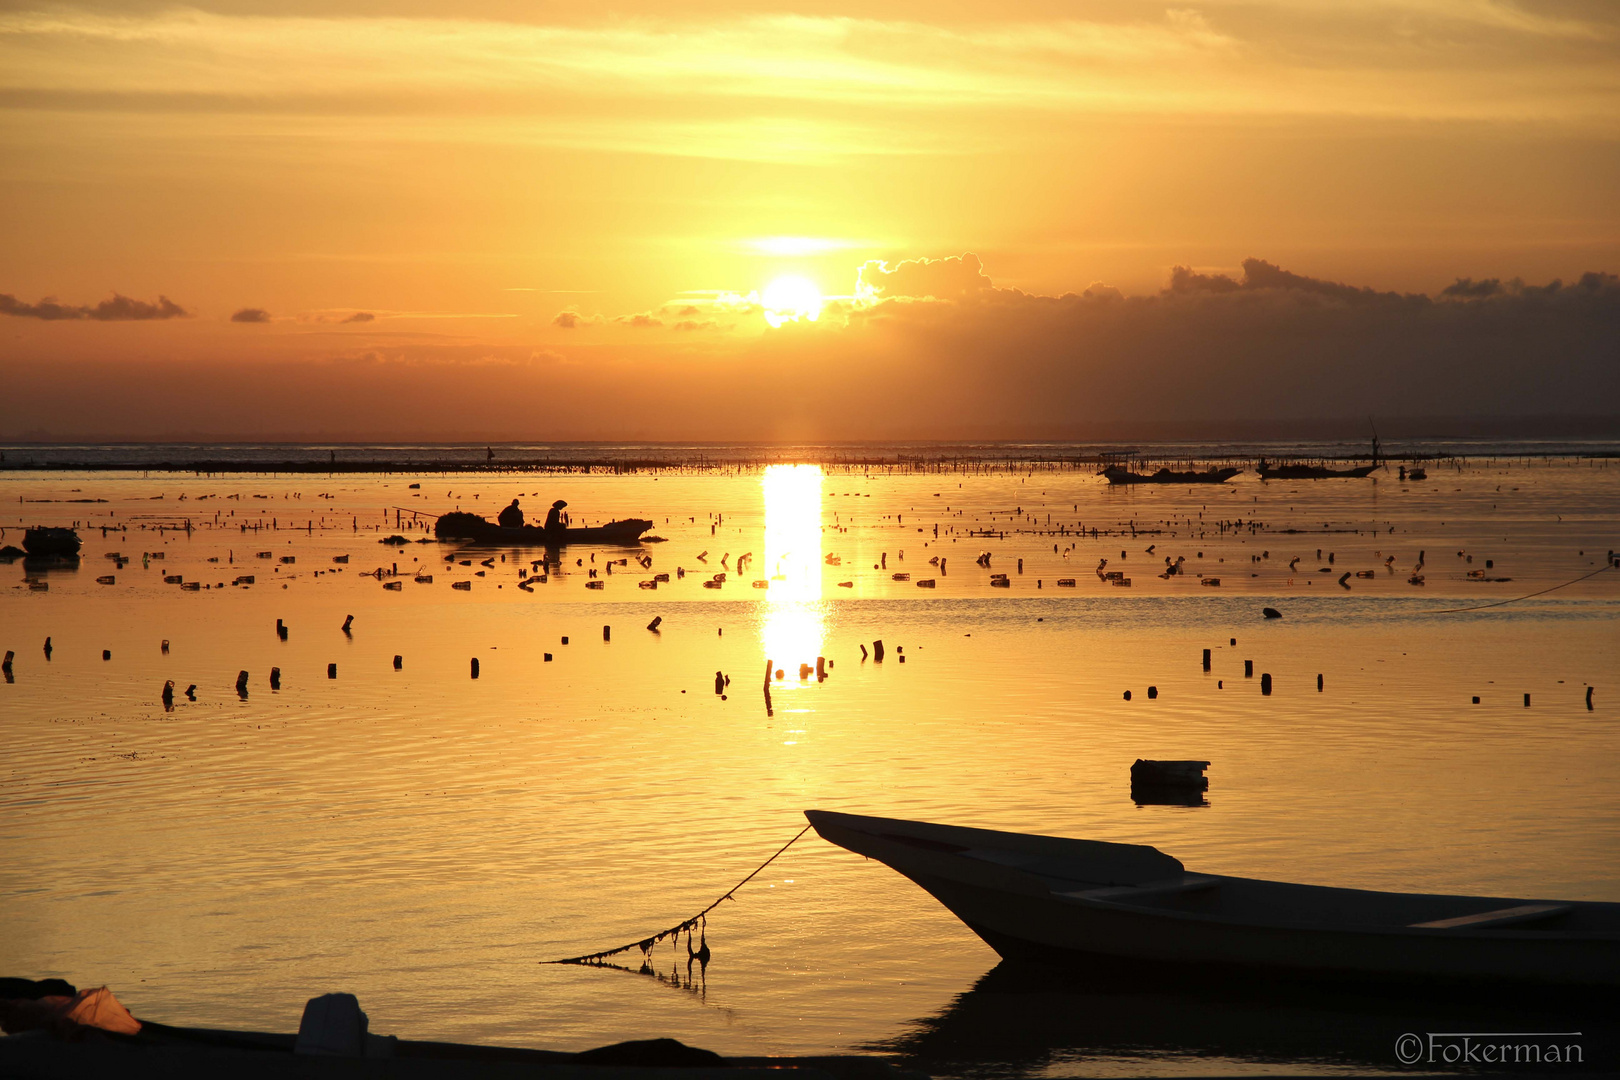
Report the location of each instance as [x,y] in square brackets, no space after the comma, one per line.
[1129,906]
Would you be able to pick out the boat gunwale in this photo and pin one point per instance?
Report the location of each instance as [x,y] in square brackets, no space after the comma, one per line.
[1148,910]
[1506,933]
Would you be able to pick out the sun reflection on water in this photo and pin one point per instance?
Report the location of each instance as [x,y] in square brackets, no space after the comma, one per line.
[792,625]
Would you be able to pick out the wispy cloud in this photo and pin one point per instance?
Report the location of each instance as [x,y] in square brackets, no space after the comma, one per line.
[798,245]
[804,87]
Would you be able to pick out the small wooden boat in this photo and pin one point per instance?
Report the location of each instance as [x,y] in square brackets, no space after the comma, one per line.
[1118,474]
[60,543]
[1269,471]
[1297,471]
[1059,900]
[462,526]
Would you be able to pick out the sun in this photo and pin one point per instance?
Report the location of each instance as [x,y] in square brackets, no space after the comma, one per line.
[791,298]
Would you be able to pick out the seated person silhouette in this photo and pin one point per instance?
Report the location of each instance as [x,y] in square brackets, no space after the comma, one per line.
[511,517]
[556,520]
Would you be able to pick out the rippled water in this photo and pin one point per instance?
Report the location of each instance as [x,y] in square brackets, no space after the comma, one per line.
[423,839]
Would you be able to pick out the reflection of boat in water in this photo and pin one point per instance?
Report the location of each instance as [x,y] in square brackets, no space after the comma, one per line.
[49,542]
[1026,1020]
[463,526]
[1119,474]
[1127,905]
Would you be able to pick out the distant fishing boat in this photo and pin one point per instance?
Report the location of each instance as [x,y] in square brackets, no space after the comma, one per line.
[1297,471]
[43,541]
[1310,472]
[464,526]
[1119,474]
[1060,900]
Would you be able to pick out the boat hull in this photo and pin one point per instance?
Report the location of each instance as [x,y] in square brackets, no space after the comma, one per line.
[459,527]
[1049,931]
[1314,472]
[1296,931]
[51,542]
[1117,475]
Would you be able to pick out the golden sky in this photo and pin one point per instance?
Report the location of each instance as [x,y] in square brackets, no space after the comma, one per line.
[600,196]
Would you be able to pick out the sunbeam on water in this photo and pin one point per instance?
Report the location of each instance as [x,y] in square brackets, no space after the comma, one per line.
[792,621]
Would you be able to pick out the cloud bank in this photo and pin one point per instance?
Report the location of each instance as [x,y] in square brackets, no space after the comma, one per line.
[951,278]
[119,308]
[1266,345]
[1219,353]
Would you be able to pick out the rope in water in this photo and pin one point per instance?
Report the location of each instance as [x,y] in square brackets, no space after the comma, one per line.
[1526,596]
[686,926]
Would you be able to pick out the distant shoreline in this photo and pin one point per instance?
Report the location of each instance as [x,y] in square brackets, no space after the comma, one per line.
[314,457]
[465,460]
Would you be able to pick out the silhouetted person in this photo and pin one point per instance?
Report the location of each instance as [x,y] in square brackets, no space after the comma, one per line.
[511,517]
[556,520]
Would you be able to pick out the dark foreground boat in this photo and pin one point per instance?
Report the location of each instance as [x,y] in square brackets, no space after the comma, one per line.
[1057,900]
[55,1030]
[461,526]
[1118,474]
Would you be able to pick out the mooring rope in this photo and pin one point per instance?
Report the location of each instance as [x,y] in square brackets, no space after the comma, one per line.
[1526,596]
[686,925]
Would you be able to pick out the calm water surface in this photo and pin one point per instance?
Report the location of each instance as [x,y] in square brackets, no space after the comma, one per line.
[423,839]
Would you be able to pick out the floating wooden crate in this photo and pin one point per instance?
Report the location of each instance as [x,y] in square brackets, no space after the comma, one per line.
[1186,774]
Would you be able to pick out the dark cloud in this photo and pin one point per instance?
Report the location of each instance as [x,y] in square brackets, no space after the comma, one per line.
[568,320]
[953,278]
[251,315]
[689,311]
[693,324]
[1591,283]
[644,319]
[119,308]
[361,316]
[1269,351]
[1259,274]
[1471,289]
[1210,350]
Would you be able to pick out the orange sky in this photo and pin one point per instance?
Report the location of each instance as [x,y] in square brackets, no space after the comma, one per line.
[464,173]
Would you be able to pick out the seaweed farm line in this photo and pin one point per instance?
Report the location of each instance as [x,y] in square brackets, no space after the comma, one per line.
[452,761]
[617,459]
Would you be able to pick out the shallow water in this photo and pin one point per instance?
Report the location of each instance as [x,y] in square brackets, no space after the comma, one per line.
[423,839]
